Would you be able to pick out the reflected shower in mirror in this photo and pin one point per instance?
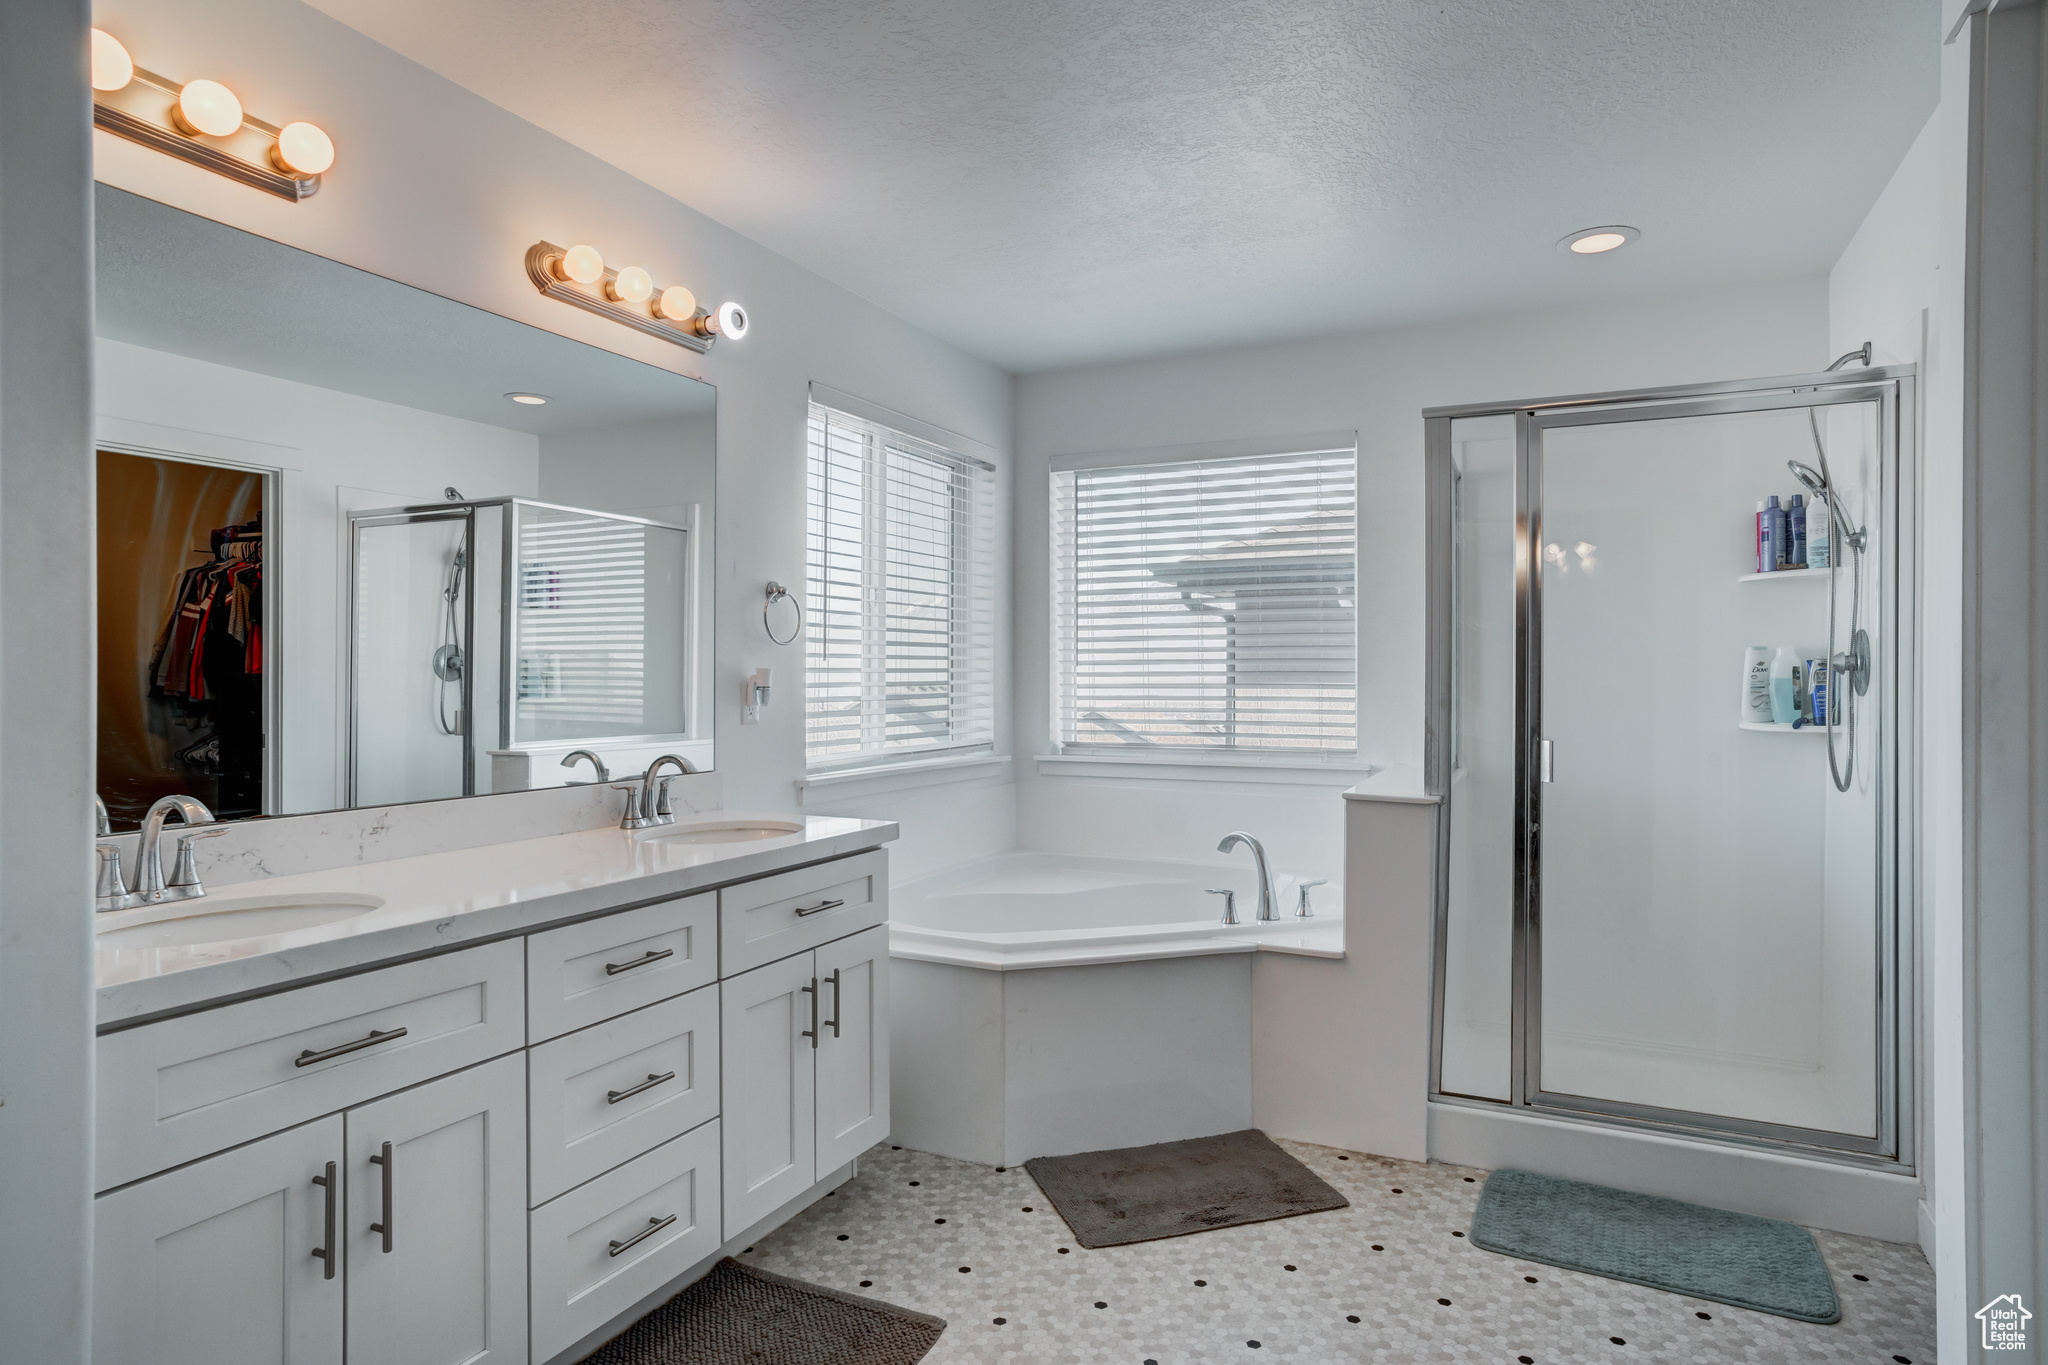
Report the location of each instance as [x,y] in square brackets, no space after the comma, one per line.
[359,544]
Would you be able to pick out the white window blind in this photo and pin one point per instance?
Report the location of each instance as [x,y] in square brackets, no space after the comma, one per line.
[1208,606]
[901,650]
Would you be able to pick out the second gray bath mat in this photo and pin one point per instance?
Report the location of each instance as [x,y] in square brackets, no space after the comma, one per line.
[1738,1258]
[1139,1194]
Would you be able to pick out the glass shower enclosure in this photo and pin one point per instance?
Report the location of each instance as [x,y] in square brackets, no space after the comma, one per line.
[478,628]
[1673,758]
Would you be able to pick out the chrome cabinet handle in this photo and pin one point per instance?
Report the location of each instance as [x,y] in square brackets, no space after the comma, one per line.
[384,1160]
[651,955]
[654,1225]
[811,1032]
[833,1022]
[308,1057]
[326,1253]
[819,907]
[614,1096]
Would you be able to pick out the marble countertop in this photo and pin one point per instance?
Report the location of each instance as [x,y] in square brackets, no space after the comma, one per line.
[437,901]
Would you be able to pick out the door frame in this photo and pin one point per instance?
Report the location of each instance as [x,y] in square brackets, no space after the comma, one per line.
[1893,389]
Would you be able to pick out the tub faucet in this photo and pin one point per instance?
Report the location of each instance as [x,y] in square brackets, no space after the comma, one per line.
[1232,840]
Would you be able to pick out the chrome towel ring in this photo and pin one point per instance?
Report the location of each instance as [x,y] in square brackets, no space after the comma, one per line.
[778,593]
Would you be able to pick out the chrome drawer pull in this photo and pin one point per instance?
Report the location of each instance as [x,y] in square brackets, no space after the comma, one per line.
[383,1158]
[326,1253]
[654,1225]
[821,905]
[651,955]
[614,1096]
[308,1057]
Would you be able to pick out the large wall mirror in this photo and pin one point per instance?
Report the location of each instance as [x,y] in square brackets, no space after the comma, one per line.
[359,544]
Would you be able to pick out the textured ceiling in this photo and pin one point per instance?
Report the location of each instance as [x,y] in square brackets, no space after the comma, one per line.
[1054,182]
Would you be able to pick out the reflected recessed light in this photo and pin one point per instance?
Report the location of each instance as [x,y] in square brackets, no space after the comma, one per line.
[534,399]
[1595,240]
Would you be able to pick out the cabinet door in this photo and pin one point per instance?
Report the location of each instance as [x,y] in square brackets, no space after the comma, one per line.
[213,1264]
[769,1110]
[437,1221]
[853,1046]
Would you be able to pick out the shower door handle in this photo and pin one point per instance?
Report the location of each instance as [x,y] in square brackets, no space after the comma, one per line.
[1545,767]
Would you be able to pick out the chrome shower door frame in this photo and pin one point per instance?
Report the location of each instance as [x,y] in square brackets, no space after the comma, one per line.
[1892,390]
[466,514]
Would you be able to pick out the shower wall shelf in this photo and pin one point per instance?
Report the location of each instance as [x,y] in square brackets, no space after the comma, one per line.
[1774,728]
[1795,574]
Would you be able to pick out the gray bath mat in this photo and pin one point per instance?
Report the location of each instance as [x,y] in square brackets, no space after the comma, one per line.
[738,1315]
[1760,1263]
[1139,1194]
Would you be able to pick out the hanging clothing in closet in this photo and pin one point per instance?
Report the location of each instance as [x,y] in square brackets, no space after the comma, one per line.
[209,663]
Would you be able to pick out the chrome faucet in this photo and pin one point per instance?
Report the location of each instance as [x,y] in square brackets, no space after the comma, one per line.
[1232,840]
[151,886]
[604,774]
[1302,907]
[647,804]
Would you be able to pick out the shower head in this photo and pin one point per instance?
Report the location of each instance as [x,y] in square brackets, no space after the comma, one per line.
[1861,355]
[1809,478]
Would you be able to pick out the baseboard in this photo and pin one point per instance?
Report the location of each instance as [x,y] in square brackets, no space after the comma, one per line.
[733,1246]
[1819,1194]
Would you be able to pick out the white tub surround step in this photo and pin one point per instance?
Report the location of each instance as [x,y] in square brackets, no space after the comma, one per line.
[437,901]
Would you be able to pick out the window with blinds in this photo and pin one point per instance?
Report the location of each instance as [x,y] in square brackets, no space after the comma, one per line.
[900,651]
[1208,606]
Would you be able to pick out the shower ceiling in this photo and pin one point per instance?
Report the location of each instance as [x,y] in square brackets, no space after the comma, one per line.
[1057,182]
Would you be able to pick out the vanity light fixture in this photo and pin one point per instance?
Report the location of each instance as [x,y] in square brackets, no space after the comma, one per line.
[578,275]
[1595,241]
[203,122]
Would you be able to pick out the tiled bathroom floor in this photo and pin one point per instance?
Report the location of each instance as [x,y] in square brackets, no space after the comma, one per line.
[1367,1283]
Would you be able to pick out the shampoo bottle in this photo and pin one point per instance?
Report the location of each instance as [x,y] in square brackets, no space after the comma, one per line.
[1759,537]
[1756,685]
[1819,525]
[1770,516]
[1784,686]
[1795,515]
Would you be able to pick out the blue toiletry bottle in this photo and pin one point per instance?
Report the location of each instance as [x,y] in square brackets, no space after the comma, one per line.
[1774,536]
[1795,515]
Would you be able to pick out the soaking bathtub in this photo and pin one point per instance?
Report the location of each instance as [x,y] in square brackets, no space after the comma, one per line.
[1046,1003]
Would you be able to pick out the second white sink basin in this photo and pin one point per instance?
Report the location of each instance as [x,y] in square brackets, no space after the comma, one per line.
[212,919]
[722,831]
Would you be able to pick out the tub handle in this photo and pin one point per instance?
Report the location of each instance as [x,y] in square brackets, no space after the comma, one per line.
[1229,903]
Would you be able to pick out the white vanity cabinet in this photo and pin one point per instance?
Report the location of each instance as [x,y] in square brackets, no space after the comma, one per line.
[806,1071]
[485,1156]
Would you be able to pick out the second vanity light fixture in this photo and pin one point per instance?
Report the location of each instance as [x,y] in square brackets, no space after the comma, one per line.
[203,122]
[578,275]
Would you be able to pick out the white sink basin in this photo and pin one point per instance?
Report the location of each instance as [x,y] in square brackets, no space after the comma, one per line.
[722,831]
[213,919]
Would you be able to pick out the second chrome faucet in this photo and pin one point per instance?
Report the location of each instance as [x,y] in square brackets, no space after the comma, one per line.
[647,804]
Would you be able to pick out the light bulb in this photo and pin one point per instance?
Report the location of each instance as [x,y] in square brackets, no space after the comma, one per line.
[630,285]
[583,264]
[302,149]
[1598,242]
[729,321]
[676,303]
[112,67]
[207,107]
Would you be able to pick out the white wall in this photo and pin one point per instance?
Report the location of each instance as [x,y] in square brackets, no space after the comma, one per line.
[337,451]
[438,188]
[1376,384]
[46,727]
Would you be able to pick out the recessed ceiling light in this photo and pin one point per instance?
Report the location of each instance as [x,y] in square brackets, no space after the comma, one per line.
[1595,240]
[533,399]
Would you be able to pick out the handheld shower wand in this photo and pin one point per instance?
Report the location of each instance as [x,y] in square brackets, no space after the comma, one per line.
[1852,665]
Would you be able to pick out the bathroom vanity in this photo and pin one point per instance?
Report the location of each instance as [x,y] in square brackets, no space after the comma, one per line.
[524,1092]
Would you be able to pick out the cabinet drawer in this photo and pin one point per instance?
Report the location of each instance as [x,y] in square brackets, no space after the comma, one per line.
[581,973]
[583,1275]
[610,1092]
[790,912]
[180,1089]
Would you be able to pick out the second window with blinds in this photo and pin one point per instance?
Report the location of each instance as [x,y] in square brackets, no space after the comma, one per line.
[901,650]
[1206,606]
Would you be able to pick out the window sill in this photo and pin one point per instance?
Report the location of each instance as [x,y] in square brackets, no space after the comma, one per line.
[854,783]
[1207,768]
